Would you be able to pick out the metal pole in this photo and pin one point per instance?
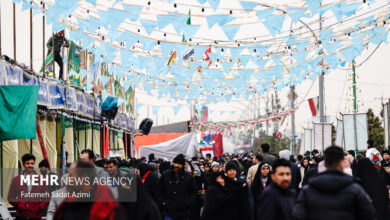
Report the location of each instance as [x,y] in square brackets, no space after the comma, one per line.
[355,133]
[258,106]
[321,87]
[354,87]
[74,139]
[112,139]
[354,104]
[267,125]
[126,145]
[31,40]
[43,42]
[14,27]
[93,132]
[31,146]
[323,138]
[85,134]
[292,93]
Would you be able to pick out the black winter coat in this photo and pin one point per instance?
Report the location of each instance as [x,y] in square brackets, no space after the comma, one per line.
[296,177]
[333,195]
[228,203]
[152,185]
[176,196]
[275,203]
[312,172]
[144,208]
[257,186]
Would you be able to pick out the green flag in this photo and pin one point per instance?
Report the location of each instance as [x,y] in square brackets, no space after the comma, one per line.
[18,112]
[74,64]
[189,18]
[48,64]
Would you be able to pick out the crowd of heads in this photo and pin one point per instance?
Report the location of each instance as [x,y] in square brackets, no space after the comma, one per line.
[223,171]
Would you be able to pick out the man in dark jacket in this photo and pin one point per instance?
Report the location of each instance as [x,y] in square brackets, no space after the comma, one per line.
[267,157]
[59,40]
[178,191]
[333,194]
[149,179]
[277,200]
[295,173]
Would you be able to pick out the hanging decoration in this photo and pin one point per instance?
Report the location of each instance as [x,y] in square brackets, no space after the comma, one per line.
[216,125]
[157,46]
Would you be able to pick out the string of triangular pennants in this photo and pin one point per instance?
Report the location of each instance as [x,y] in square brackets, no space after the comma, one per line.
[196,72]
[210,125]
[156,108]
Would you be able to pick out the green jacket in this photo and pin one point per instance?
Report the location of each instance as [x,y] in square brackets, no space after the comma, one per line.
[58,41]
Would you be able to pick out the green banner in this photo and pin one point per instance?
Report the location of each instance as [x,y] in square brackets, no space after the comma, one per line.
[18,112]
[74,64]
[129,101]
[118,89]
[48,64]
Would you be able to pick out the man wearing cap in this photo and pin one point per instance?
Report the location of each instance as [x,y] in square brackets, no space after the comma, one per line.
[59,41]
[177,191]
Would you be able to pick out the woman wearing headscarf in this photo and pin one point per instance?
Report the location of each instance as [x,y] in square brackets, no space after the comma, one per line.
[215,167]
[215,197]
[305,166]
[261,181]
[225,199]
[365,171]
[201,186]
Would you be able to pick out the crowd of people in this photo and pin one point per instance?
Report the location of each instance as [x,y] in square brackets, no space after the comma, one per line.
[333,184]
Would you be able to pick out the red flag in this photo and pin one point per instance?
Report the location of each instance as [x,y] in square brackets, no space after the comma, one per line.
[313,106]
[218,145]
[206,53]
[41,142]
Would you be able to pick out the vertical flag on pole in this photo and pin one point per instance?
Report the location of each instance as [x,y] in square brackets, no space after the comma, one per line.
[41,142]
[313,103]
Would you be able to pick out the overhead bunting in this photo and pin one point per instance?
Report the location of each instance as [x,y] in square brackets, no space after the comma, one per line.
[133,46]
[217,125]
